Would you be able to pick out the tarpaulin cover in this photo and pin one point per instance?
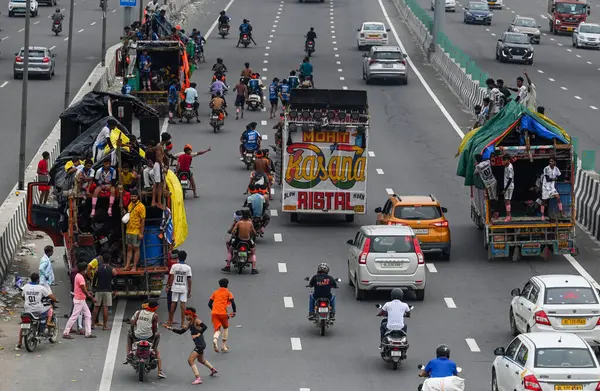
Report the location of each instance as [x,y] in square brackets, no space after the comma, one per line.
[449,383]
[485,139]
[180,225]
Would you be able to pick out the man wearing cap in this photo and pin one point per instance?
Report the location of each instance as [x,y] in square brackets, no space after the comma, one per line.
[144,327]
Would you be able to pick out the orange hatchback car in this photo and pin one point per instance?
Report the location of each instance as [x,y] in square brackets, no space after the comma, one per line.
[424,215]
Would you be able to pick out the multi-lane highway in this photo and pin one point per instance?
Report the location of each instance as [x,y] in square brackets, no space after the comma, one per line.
[273,346]
[565,76]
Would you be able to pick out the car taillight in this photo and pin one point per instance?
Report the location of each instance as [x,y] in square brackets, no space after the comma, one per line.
[19,59]
[242,248]
[531,383]
[365,251]
[323,304]
[371,62]
[598,324]
[46,59]
[25,319]
[598,387]
[417,246]
[541,318]
[441,224]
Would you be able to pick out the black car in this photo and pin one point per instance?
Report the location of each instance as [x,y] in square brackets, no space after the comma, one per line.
[477,13]
[514,47]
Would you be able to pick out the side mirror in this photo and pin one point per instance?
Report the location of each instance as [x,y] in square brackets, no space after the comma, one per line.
[499,352]
[540,26]
[378,210]
[377,305]
[420,367]
[412,307]
[350,242]
[338,280]
[598,292]
[515,292]
[17,53]
[388,30]
[306,279]
[499,39]
[405,55]
[445,210]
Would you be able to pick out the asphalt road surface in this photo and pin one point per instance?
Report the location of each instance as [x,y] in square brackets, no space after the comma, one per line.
[273,346]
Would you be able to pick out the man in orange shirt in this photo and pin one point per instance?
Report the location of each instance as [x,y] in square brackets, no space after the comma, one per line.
[218,303]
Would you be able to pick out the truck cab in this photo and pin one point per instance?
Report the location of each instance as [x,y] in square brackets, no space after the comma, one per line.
[566,15]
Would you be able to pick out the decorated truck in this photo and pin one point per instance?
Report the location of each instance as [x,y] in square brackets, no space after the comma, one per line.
[530,140]
[566,15]
[325,152]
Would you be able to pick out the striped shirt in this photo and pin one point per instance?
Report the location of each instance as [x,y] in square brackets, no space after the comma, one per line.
[395,314]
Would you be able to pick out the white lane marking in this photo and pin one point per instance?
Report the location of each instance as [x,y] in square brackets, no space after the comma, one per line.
[493,35]
[379,171]
[560,44]
[269,41]
[270,36]
[487,30]
[272,191]
[272,31]
[264,136]
[335,49]
[577,97]
[4,38]
[277,237]
[264,69]
[582,271]
[21,30]
[473,345]
[333,36]
[337,55]
[66,39]
[36,22]
[268,48]
[450,302]
[344,88]
[113,11]
[569,50]
[334,42]
[564,88]
[371,154]
[282,267]
[266,54]
[332,31]
[338,63]
[593,108]
[552,39]
[578,56]
[52,47]
[540,71]
[288,302]
[93,23]
[589,62]
[264,78]
[512,12]
[342,78]
[296,344]
[305,389]
[80,31]
[274,26]
[4,84]
[340,70]
[113,346]
[274,212]
[264,121]
[431,268]
[551,79]
[389,191]
[265,61]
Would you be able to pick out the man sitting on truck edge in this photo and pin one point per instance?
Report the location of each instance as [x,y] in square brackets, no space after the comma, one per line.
[105,178]
[135,229]
[484,170]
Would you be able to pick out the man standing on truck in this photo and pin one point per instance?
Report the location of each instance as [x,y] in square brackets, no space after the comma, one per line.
[180,286]
[549,177]
[509,185]
[135,229]
[484,170]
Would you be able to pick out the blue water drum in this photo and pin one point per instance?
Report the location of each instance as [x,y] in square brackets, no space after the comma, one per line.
[152,248]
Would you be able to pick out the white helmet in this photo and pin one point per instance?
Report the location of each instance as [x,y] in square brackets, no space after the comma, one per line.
[323,268]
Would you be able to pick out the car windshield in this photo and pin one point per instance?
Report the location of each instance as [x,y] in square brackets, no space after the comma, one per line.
[373,27]
[417,212]
[570,295]
[590,28]
[568,8]
[18,1]
[525,23]
[388,56]
[33,53]
[479,7]
[516,38]
[563,358]
[392,244]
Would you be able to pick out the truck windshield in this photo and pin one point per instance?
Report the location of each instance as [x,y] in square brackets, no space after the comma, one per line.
[570,8]
[590,28]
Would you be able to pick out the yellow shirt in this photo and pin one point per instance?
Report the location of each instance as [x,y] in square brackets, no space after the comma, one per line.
[137,213]
[93,267]
[70,165]
[127,178]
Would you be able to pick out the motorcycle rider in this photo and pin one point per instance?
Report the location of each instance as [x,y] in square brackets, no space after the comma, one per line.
[144,327]
[224,20]
[246,73]
[184,164]
[255,87]
[249,141]
[57,16]
[191,97]
[310,37]
[293,80]
[218,104]
[36,302]
[243,231]
[219,67]
[258,206]
[262,167]
[245,28]
[306,71]
[321,283]
[395,310]
[441,366]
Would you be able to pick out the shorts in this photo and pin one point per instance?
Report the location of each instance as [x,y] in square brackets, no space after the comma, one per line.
[103,298]
[133,239]
[179,297]
[273,102]
[240,100]
[200,349]
[492,191]
[172,107]
[220,320]
[508,194]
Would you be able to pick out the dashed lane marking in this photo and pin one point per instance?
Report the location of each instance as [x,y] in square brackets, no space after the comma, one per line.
[379,171]
[340,70]
[265,61]
[371,154]
[264,121]
[431,268]
[21,30]
[577,97]
[66,39]
[569,50]
[4,84]
[305,389]
[588,62]
[449,302]
[266,54]
[578,56]
[551,79]
[282,267]
[540,71]
[277,237]
[264,69]
[274,212]
[80,31]
[269,41]
[288,302]
[560,44]
[337,55]
[272,191]
[593,108]
[36,22]
[344,88]
[473,345]
[264,136]
[389,191]
[564,88]
[268,48]
[296,344]
[93,23]
[342,78]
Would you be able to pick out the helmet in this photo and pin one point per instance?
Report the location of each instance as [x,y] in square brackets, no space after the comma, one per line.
[397,294]
[323,268]
[254,76]
[222,13]
[219,60]
[58,10]
[187,146]
[442,351]
[246,20]
[260,153]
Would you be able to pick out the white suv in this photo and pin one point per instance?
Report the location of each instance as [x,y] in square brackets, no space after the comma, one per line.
[384,257]
[18,7]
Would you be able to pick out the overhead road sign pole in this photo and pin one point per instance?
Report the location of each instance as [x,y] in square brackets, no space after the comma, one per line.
[438,25]
[69,54]
[23,138]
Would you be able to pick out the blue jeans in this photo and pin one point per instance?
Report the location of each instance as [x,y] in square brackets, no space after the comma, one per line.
[311,304]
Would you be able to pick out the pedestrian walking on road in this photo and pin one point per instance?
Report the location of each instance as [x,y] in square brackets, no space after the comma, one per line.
[218,303]
[180,286]
[102,284]
[197,329]
[80,293]
[46,270]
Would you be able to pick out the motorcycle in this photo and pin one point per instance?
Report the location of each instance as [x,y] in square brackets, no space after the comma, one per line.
[253,102]
[249,159]
[240,259]
[450,383]
[143,359]
[224,30]
[57,27]
[223,78]
[245,40]
[394,344]
[323,319]
[35,329]
[309,48]
[189,113]
[185,180]
[217,119]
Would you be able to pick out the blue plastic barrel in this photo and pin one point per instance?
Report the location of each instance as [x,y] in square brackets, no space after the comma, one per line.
[152,247]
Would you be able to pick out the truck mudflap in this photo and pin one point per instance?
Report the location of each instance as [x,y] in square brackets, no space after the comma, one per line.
[521,242]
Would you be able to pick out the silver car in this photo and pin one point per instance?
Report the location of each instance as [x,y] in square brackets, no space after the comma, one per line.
[587,35]
[41,62]
[525,25]
[384,257]
[385,63]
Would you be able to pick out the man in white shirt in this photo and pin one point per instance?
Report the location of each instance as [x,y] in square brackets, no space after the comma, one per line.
[549,177]
[102,140]
[395,311]
[496,97]
[531,101]
[180,285]
[152,7]
[509,185]
[521,91]
[484,170]
[191,97]
[37,302]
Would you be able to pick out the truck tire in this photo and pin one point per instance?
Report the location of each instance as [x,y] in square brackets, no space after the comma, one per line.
[294,217]
[350,218]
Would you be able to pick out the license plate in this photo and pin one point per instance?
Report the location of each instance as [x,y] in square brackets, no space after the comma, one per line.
[323,309]
[571,29]
[574,322]
[184,183]
[243,254]
[396,353]
[421,231]
[103,240]
[560,387]
[373,36]
[214,117]
[391,264]
[25,326]
[479,17]
[388,66]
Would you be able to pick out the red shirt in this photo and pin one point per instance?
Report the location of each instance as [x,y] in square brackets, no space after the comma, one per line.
[43,167]
[185,162]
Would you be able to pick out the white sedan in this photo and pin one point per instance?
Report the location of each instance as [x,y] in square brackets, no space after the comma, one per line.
[587,35]
[450,5]
[557,303]
[371,34]
[546,362]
